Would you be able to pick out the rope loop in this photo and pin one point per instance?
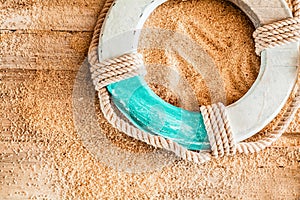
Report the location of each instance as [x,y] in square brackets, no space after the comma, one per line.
[116,69]
[278,33]
[218,130]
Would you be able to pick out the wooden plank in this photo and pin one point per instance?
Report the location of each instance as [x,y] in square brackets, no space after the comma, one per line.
[43,50]
[271,174]
[73,15]
[25,171]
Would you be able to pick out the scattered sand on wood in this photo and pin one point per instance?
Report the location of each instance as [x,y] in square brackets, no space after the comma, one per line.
[45,158]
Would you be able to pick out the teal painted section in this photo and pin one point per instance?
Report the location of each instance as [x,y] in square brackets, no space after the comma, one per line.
[151,114]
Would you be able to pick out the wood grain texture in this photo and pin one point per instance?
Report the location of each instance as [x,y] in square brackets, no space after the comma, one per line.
[74,15]
[43,50]
[42,156]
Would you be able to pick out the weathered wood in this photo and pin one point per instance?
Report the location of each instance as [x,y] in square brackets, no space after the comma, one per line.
[25,172]
[270,175]
[41,156]
[43,49]
[74,15]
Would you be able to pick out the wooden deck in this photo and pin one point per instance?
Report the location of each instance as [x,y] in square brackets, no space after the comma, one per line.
[42,45]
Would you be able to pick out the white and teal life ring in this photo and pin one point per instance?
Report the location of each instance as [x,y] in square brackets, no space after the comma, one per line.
[249,115]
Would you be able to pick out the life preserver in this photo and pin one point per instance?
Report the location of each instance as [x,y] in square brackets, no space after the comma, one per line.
[265,99]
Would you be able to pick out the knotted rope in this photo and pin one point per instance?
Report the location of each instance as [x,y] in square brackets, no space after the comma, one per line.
[116,69]
[218,130]
[278,33]
[215,118]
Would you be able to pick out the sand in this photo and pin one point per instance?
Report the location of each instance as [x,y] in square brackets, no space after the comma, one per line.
[48,153]
[222,31]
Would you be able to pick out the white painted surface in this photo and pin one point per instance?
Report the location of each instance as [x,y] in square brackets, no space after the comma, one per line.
[278,72]
[121,29]
[269,93]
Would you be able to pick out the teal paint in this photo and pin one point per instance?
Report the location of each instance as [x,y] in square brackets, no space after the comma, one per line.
[150,113]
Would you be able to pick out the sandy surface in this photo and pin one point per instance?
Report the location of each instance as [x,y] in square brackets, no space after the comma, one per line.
[46,152]
[222,31]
